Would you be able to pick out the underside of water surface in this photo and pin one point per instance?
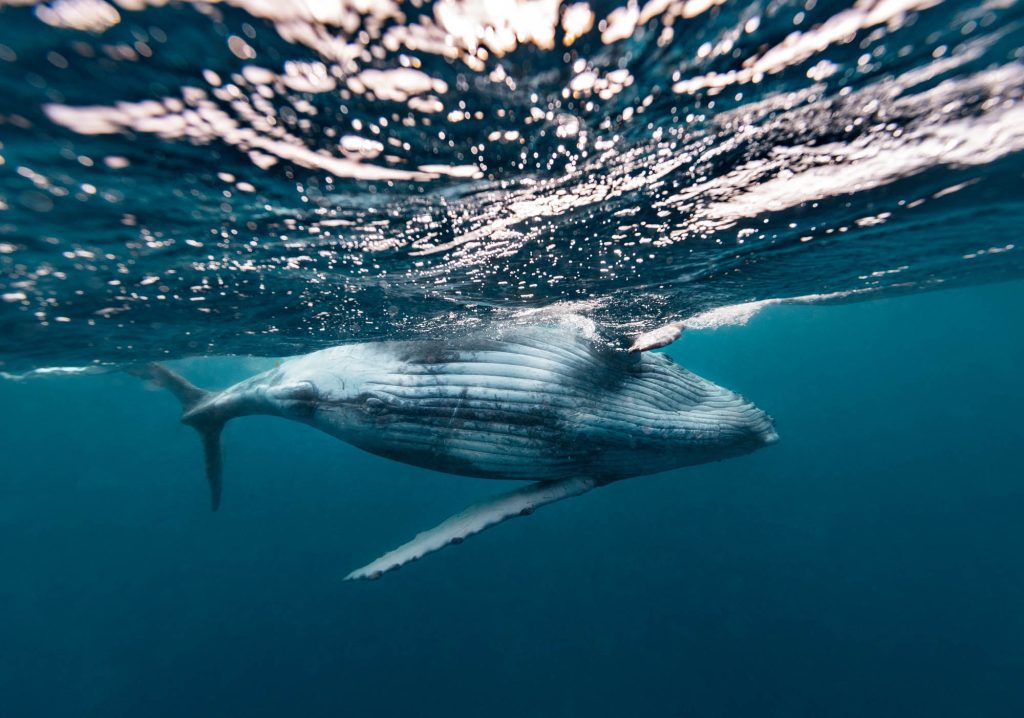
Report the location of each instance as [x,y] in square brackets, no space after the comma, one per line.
[269,178]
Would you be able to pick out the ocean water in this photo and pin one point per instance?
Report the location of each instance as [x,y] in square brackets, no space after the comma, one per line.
[828,196]
[867,564]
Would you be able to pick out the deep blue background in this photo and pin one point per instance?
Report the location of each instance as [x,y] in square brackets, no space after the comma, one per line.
[871,563]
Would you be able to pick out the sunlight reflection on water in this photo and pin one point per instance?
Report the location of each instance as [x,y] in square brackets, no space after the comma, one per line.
[269,177]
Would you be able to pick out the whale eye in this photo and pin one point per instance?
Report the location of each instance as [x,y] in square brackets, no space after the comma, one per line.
[300,391]
[296,400]
[375,405]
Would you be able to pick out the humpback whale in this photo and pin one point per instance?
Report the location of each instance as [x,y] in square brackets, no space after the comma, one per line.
[556,402]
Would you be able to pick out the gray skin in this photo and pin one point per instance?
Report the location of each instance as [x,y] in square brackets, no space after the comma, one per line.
[541,403]
[555,403]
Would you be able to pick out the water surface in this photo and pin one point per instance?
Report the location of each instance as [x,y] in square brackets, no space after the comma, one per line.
[265,178]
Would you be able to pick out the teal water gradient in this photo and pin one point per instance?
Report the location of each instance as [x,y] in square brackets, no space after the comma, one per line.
[870,563]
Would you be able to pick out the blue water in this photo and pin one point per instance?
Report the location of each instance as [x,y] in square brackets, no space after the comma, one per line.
[828,193]
[867,564]
[263,178]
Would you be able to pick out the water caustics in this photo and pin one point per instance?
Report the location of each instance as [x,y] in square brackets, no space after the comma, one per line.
[270,177]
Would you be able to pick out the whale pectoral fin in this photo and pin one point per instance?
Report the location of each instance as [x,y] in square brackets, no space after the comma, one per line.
[657,338]
[521,502]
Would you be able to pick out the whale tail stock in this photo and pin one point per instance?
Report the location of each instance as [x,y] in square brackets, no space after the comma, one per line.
[207,423]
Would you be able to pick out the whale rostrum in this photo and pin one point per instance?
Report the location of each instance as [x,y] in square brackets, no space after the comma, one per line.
[555,402]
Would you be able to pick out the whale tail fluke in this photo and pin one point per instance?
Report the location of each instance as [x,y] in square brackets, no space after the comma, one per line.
[207,423]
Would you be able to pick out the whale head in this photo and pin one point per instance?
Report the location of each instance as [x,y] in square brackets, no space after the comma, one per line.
[662,416]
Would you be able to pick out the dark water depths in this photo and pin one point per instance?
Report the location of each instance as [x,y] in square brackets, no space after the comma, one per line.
[267,177]
[867,564]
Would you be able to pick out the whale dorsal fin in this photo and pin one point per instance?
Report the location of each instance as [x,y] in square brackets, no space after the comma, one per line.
[473,520]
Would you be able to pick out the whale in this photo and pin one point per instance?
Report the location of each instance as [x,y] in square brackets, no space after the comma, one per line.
[559,403]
